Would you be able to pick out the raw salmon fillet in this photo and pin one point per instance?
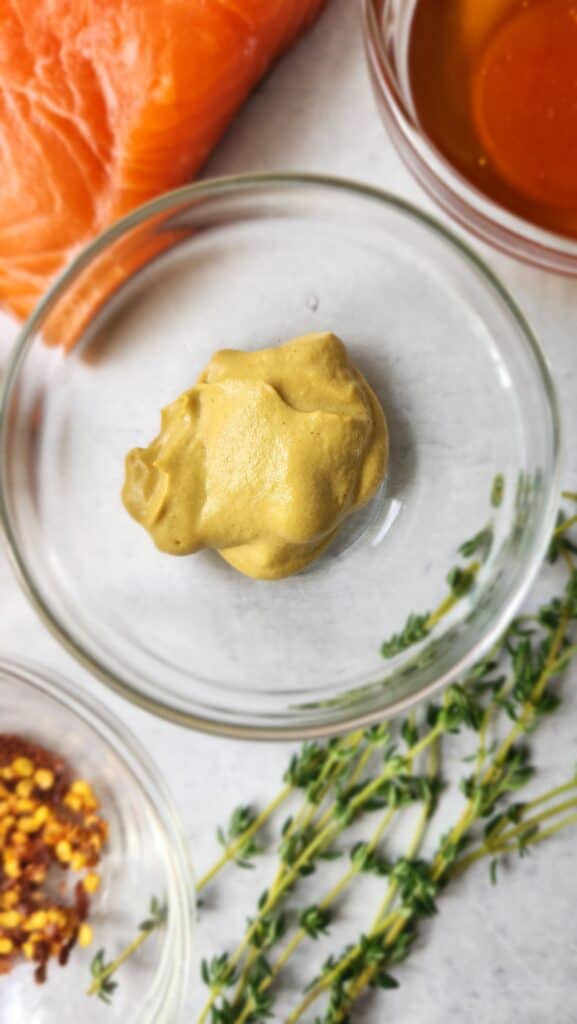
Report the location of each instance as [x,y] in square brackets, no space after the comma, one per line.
[107,103]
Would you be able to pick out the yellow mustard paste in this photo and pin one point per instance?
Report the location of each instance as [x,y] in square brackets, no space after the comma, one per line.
[263,459]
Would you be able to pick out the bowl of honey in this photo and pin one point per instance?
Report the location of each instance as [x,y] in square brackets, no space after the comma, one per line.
[480,99]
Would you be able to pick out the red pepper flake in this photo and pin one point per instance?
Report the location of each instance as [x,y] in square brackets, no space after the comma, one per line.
[49,823]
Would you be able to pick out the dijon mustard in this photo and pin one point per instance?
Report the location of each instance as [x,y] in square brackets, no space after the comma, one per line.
[263,459]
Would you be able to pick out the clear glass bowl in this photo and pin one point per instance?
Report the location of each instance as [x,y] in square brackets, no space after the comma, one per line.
[387,28]
[244,263]
[146,855]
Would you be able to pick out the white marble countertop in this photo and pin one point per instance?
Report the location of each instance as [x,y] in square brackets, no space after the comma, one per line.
[493,956]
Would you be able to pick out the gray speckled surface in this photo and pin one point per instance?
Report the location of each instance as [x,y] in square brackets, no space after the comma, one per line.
[492,956]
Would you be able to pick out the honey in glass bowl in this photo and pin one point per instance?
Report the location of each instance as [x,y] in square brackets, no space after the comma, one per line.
[494,86]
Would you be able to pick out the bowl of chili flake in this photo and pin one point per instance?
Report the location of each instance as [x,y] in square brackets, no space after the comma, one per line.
[92,857]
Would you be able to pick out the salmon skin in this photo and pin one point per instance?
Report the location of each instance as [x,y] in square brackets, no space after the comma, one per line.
[104,104]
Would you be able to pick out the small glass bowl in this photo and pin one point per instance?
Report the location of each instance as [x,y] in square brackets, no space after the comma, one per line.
[146,855]
[245,263]
[387,28]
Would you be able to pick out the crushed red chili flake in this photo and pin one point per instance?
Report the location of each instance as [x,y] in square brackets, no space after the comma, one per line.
[49,823]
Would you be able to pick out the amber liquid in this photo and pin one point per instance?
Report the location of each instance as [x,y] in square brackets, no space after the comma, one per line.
[494,86]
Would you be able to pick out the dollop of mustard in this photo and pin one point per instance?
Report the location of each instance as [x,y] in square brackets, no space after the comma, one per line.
[263,459]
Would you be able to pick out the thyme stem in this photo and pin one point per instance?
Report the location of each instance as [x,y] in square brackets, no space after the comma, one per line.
[566,525]
[324,904]
[471,810]
[303,820]
[381,922]
[395,923]
[121,959]
[102,973]
[285,875]
[503,840]
[235,847]
[450,601]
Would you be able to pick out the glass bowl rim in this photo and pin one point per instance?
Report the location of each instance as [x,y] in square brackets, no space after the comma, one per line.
[473,210]
[148,779]
[223,186]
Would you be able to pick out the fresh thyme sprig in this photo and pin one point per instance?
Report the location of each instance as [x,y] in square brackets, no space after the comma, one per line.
[377,772]
[241,825]
[561,542]
[102,971]
[103,986]
[460,581]
[498,491]
[387,788]
[516,683]
[316,770]
[534,669]
[500,840]
[364,859]
[403,875]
